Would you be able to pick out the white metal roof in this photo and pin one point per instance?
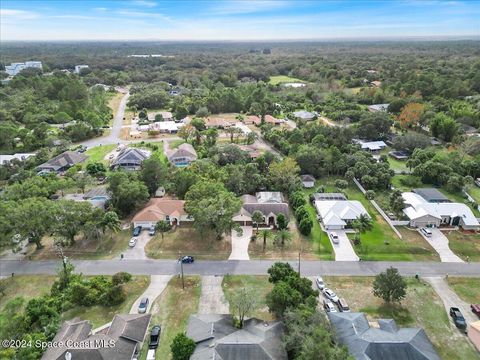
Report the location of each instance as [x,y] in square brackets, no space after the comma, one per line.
[332,211]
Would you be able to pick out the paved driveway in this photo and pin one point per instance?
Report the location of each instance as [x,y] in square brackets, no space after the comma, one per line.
[138,252]
[212,298]
[240,244]
[440,243]
[344,249]
[450,298]
[158,283]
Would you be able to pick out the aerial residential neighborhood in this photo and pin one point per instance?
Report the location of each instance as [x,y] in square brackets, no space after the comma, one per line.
[239,180]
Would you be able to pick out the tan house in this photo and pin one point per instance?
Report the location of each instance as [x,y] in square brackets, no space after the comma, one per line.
[161,209]
[251,119]
[474,334]
[217,123]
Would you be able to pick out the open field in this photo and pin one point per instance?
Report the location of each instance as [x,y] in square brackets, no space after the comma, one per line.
[468,289]
[464,244]
[171,311]
[421,308]
[187,241]
[275,80]
[98,153]
[99,315]
[26,286]
[261,286]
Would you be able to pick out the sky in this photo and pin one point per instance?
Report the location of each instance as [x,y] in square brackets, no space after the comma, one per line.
[236,20]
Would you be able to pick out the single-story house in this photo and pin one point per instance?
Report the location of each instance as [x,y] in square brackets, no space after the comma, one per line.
[157,209]
[216,338]
[304,115]
[308,181]
[269,119]
[328,196]
[252,150]
[378,107]
[130,158]
[183,155]
[269,203]
[5,159]
[126,333]
[251,119]
[339,214]
[166,115]
[217,123]
[422,213]
[371,145]
[384,342]
[399,155]
[431,195]
[62,162]
[245,129]
[169,126]
[474,333]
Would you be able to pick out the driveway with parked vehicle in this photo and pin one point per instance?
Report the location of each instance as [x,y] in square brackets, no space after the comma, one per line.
[136,246]
[158,283]
[342,246]
[440,243]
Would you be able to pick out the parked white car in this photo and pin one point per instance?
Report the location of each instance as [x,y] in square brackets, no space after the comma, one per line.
[328,306]
[426,232]
[132,242]
[334,237]
[320,283]
[330,295]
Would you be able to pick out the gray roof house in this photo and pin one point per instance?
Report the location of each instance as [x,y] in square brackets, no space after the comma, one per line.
[130,159]
[385,342]
[126,333]
[269,203]
[304,115]
[431,195]
[63,162]
[182,155]
[308,181]
[217,338]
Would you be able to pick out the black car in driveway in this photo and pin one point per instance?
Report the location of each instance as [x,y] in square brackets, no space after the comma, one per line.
[187,259]
[137,231]
[155,337]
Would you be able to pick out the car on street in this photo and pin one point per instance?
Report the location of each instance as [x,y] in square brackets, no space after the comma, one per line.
[151,231]
[154,337]
[137,231]
[132,242]
[142,307]
[328,306]
[187,259]
[320,283]
[330,295]
[334,237]
[426,232]
[458,318]
[343,306]
[475,309]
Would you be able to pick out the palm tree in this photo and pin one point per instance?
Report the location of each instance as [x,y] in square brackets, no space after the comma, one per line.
[282,236]
[257,218]
[265,233]
[111,222]
[163,226]
[362,224]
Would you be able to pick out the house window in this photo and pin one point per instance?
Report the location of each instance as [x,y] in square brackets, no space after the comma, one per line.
[167,217]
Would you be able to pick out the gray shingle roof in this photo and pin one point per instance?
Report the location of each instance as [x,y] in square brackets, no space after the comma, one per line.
[266,202]
[307,177]
[131,156]
[66,159]
[387,342]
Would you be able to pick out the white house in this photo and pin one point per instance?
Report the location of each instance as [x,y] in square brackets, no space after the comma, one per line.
[166,126]
[305,115]
[5,159]
[423,213]
[371,145]
[338,214]
[182,155]
[14,68]
[78,68]
[378,108]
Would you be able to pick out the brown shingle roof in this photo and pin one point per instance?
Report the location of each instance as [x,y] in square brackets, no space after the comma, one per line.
[158,208]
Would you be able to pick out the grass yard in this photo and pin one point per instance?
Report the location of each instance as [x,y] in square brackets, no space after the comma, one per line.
[464,244]
[467,288]
[114,103]
[395,164]
[25,286]
[171,311]
[474,192]
[421,308]
[261,286]
[279,79]
[176,143]
[187,240]
[98,153]
[107,247]
[100,315]
[156,147]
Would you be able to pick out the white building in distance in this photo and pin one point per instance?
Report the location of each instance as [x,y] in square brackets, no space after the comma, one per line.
[14,68]
[79,68]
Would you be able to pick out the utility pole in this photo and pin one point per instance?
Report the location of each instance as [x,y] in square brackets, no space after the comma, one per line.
[299,252]
[181,269]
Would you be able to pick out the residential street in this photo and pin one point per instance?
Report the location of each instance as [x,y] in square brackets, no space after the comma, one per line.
[251,267]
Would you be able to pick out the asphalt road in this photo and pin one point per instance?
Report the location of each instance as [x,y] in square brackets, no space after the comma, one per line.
[240,267]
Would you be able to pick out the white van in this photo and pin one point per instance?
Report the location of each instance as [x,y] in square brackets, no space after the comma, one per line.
[426,232]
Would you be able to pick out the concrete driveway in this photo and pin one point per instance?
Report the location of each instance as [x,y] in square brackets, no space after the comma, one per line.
[344,249]
[212,298]
[138,251]
[240,244]
[451,299]
[158,283]
[440,243]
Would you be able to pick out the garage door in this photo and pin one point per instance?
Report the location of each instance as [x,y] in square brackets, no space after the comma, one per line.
[144,224]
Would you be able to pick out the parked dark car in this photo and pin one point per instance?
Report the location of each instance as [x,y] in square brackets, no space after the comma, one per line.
[137,231]
[475,309]
[142,307]
[155,337]
[342,305]
[458,318]
[187,259]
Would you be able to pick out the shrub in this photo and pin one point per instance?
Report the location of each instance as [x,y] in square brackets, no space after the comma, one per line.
[301,213]
[182,347]
[121,278]
[305,226]
[115,296]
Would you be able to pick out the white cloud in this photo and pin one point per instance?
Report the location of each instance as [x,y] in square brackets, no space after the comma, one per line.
[17,14]
[233,7]
[143,14]
[100,9]
[145,3]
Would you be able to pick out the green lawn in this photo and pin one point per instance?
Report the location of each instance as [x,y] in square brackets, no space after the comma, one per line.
[97,153]
[26,286]
[465,244]
[261,286]
[176,143]
[474,192]
[171,311]
[99,315]
[421,308]
[275,80]
[156,147]
[394,163]
[467,288]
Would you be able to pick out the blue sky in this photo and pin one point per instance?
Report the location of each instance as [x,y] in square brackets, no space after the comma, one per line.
[235,20]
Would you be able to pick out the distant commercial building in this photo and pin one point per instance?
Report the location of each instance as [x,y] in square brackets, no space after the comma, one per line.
[14,68]
[79,68]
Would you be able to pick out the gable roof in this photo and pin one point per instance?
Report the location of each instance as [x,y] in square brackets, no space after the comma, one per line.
[66,159]
[304,115]
[267,202]
[183,150]
[307,177]
[346,210]
[157,208]
[386,342]
[370,145]
[131,156]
